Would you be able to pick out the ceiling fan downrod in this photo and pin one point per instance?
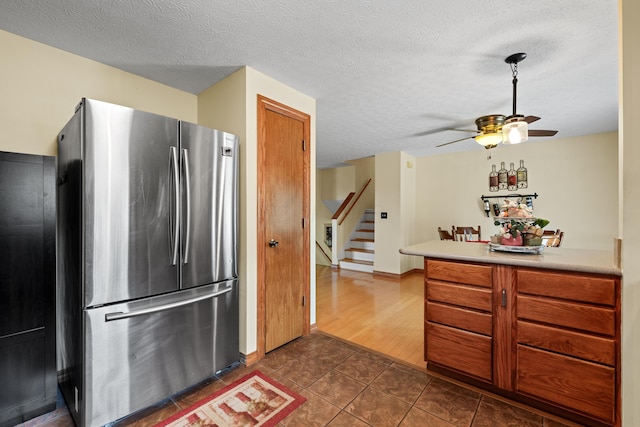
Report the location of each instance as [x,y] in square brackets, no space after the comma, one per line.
[513,61]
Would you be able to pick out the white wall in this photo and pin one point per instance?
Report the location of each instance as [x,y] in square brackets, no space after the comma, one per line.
[43,85]
[576,180]
[629,98]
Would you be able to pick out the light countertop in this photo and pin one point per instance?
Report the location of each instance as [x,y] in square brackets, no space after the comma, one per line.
[582,260]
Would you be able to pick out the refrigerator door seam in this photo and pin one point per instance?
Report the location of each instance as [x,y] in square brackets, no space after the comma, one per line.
[120,315]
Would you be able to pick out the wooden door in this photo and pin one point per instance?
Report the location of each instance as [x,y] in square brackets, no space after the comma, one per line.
[283,224]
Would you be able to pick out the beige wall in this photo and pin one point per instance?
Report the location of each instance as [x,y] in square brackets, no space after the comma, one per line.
[408,201]
[395,195]
[323,214]
[576,180]
[258,83]
[365,169]
[41,87]
[337,182]
[629,57]
[333,184]
[223,106]
[388,199]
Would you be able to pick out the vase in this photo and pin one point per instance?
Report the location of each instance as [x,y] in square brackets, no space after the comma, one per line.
[508,240]
[532,240]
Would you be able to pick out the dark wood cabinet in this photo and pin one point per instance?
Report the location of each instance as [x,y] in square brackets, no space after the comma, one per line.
[27,287]
[544,336]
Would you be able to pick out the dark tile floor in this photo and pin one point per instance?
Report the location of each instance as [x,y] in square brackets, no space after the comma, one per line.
[348,386]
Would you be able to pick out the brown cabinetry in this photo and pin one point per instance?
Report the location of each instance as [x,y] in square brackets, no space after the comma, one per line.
[458,317]
[567,335]
[545,336]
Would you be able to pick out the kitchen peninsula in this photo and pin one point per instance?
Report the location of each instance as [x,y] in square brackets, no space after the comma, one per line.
[541,329]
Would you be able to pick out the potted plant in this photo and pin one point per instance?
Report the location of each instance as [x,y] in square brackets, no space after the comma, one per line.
[511,233]
[533,232]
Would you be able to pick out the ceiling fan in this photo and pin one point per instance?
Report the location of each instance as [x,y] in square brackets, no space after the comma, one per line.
[496,128]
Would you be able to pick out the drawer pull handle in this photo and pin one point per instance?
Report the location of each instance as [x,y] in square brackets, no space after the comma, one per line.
[504,298]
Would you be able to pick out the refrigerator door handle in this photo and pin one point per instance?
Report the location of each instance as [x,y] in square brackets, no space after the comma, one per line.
[176,183]
[185,163]
[120,315]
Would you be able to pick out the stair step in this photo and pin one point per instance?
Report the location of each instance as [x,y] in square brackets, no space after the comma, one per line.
[366,251]
[352,264]
[359,239]
[357,261]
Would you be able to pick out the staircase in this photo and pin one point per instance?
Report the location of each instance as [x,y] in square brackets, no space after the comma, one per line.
[361,252]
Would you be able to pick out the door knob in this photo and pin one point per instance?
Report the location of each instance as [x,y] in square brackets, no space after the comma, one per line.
[273,243]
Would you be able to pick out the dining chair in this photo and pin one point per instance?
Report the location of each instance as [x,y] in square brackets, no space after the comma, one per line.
[552,238]
[444,234]
[466,234]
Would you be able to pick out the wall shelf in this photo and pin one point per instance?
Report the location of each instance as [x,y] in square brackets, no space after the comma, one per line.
[510,196]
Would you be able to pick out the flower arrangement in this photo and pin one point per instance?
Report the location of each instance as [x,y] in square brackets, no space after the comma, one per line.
[518,227]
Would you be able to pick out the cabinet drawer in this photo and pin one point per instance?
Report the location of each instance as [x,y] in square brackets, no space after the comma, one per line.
[469,274]
[457,317]
[596,349]
[465,296]
[582,288]
[563,313]
[585,387]
[462,351]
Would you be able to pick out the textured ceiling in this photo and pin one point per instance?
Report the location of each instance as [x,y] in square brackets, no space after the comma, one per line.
[387,75]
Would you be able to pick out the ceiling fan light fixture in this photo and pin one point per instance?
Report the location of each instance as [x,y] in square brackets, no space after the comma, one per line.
[490,139]
[515,131]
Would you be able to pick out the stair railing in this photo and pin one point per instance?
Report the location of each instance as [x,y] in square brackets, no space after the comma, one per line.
[346,218]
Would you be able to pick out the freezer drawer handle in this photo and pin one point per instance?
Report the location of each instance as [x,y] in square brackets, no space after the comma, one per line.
[120,315]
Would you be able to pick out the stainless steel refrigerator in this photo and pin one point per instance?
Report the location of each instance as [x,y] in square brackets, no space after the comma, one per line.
[147,219]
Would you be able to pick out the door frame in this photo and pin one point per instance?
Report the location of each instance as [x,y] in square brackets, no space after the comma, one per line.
[265,104]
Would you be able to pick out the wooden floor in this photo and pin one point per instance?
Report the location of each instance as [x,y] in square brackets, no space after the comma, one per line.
[376,312]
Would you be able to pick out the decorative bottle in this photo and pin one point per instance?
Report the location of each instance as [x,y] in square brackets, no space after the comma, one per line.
[522,176]
[502,177]
[512,180]
[493,179]
[237,418]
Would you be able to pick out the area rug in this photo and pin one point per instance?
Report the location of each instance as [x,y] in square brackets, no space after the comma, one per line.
[253,400]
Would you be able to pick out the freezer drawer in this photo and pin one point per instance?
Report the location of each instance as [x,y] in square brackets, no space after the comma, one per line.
[140,352]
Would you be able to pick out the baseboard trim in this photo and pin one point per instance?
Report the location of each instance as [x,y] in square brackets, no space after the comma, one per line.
[249,359]
[252,358]
[398,276]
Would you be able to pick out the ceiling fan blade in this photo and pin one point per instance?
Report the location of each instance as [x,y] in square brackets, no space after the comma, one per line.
[466,130]
[531,119]
[442,129]
[539,132]
[457,140]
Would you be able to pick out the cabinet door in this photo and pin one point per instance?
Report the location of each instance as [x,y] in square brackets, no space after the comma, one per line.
[463,351]
[581,386]
[27,281]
